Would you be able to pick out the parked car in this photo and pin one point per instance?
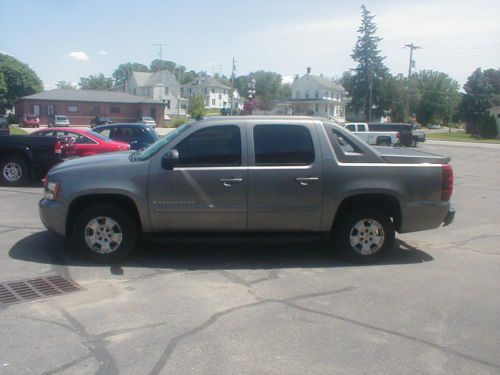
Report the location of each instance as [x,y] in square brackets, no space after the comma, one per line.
[58,120]
[433,126]
[251,174]
[23,157]
[136,135]
[31,121]
[407,136]
[378,138]
[147,121]
[4,126]
[86,142]
[96,121]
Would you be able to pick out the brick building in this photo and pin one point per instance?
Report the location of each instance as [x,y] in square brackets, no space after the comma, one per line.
[80,106]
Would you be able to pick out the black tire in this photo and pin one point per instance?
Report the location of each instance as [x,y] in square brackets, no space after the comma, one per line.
[6,172]
[346,227]
[127,227]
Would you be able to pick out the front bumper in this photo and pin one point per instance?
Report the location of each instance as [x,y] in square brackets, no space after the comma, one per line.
[450,217]
[53,216]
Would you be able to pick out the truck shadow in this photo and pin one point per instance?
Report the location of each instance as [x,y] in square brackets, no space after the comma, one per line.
[44,248]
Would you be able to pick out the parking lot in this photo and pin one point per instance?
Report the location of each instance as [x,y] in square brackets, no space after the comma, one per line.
[248,307]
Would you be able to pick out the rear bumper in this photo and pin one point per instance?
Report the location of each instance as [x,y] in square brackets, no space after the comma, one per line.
[450,217]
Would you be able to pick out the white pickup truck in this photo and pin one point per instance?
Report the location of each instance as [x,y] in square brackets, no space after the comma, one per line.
[378,138]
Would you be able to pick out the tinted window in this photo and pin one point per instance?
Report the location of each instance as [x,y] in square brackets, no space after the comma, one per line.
[282,145]
[351,128]
[143,134]
[104,132]
[214,146]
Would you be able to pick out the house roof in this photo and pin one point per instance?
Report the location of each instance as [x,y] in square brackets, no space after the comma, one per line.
[206,82]
[322,81]
[90,96]
[161,77]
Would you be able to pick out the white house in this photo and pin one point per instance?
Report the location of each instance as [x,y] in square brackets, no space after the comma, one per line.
[318,96]
[161,86]
[216,94]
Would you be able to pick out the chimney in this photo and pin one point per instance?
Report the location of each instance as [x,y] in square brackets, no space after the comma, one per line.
[308,70]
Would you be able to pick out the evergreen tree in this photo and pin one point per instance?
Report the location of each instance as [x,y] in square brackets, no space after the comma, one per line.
[368,76]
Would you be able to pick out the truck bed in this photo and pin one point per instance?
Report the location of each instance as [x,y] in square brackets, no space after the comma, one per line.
[403,155]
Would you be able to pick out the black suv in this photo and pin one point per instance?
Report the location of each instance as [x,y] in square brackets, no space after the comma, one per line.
[136,135]
[100,121]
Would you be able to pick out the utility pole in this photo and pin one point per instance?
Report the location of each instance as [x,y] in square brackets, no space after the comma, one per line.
[160,46]
[233,76]
[411,65]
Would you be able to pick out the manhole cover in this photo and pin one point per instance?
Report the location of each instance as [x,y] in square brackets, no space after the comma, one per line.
[41,287]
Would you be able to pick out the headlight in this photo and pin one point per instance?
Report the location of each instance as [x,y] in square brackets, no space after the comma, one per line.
[51,189]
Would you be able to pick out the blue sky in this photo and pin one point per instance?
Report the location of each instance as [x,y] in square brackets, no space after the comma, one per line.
[64,40]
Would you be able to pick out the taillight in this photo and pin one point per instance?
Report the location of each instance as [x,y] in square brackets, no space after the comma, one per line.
[447,185]
[58,148]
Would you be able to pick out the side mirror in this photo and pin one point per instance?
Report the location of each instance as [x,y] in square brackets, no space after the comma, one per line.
[170,159]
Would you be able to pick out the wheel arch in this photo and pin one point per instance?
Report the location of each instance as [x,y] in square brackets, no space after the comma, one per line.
[384,201]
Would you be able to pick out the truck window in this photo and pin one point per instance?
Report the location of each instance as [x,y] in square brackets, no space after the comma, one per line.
[282,145]
[214,146]
[361,128]
[351,127]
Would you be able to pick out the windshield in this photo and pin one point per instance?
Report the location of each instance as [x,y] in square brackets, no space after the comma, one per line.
[158,145]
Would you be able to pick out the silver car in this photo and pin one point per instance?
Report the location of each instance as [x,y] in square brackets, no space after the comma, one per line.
[58,120]
[249,174]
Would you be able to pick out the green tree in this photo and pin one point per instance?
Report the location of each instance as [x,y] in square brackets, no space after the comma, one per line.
[157,65]
[124,71]
[64,85]
[476,100]
[369,74]
[438,96]
[493,76]
[393,97]
[489,127]
[18,80]
[96,82]
[196,107]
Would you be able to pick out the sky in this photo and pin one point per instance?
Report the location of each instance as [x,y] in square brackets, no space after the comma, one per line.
[66,40]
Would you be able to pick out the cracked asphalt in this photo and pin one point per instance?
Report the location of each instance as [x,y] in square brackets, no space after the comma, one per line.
[249,307]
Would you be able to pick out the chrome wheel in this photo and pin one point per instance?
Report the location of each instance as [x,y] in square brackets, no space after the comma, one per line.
[367,236]
[12,172]
[103,235]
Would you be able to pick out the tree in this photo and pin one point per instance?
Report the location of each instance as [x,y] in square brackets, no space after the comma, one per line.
[157,65]
[268,87]
[437,96]
[17,80]
[476,100]
[489,127]
[366,86]
[393,98]
[124,71]
[493,76]
[96,82]
[196,107]
[65,85]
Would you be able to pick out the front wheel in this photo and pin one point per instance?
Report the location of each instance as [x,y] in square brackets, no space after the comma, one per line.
[105,233]
[364,234]
[15,171]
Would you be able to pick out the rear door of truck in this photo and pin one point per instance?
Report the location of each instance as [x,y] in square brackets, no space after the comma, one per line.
[285,176]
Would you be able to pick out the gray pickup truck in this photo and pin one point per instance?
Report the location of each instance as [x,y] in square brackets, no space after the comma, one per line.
[249,174]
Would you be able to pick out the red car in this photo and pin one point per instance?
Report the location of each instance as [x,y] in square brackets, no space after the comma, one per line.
[86,142]
[31,121]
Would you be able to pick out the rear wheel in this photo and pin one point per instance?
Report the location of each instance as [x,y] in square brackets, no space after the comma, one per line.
[105,233]
[15,171]
[365,234]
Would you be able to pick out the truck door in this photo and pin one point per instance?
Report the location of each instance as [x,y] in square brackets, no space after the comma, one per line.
[285,179]
[207,190]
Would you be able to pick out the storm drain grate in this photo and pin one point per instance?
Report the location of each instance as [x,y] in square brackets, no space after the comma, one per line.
[41,287]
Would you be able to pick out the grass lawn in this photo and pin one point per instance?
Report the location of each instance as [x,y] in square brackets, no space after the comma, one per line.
[458,137]
[17,131]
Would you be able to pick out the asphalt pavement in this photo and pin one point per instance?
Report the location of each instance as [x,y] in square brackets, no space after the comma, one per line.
[250,307]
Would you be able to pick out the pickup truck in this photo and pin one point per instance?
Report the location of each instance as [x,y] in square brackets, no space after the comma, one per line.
[378,138]
[23,157]
[249,174]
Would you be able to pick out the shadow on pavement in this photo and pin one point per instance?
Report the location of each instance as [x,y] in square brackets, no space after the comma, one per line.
[45,248]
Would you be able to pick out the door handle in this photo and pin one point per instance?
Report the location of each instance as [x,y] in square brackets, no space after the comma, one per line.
[304,181]
[230,181]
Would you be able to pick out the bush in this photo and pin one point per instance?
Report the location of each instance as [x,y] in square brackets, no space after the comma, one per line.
[177,122]
[489,127]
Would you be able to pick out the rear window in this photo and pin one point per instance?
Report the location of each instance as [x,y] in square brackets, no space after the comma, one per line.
[282,145]
[61,118]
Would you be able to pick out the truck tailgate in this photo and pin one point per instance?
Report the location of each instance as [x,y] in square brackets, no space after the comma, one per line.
[402,155]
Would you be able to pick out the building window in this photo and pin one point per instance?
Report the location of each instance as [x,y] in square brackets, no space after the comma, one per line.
[166,90]
[326,94]
[326,108]
[213,91]
[316,108]
[220,96]
[224,91]
[95,109]
[72,108]
[51,110]
[206,90]
[316,94]
[134,91]
[114,109]
[338,97]
[213,101]
[190,91]
[297,94]
[307,94]
[168,104]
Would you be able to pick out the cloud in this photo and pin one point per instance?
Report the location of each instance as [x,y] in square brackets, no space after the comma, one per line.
[102,53]
[79,55]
